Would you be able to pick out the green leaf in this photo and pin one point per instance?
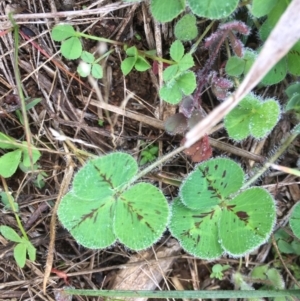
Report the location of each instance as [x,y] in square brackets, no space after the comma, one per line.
[165,11]
[20,254]
[10,234]
[71,48]
[9,163]
[97,71]
[170,72]
[247,221]
[235,66]
[87,57]
[33,103]
[261,8]
[135,225]
[31,250]
[7,142]
[196,230]
[252,117]
[100,208]
[176,51]
[34,152]
[171,93]
[142,64]
[187,82]
[295,220]
[186,62]
[84,69]
[208,182]
[127,65]
[293,104]
[293,60]
[62,32]
[292,89]
[186,28]
[213,9]
[276,74]
[212,218]
[132,51]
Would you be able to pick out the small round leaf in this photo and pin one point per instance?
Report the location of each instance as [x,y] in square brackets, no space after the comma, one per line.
[97,71]
[9,163]
[62,31]
[71,48]
[186,28]
[176,51]
[165,11]
[20,254]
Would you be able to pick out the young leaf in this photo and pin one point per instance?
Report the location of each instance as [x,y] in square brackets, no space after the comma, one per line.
[141,64]
[186,62]
[87,57]
[10,234]
[7,142]
[295,220]
[252,117]
[186,28]
[62,31]
[97,71]
[235,66]
[127,65]
[213,9]
[187,82]
[20,254]
[71,48]
[100,209]
[34,152]
[170,72]
[165,11]
[31,250]
[9,163]
[170,92]
[176,51]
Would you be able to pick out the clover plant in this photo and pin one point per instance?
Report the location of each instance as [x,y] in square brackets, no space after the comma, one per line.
[19,155]
[217,271]
[102,208]
[293,103]
[23,246]
[252,117]
[178,80]
[212,216]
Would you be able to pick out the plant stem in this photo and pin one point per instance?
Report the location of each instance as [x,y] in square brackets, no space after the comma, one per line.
[12,205]
[287,141]
[186,294]
[84,35]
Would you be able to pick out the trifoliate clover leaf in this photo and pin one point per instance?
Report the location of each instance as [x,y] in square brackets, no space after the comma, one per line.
[252,117]
[212,217]
[101,209]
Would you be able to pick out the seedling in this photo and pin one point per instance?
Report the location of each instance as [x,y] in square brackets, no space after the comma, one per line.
[178,79]
[102,207]
[10,161]
[217,271]
[149,154]
[134,60]
[89,65]
[212,217]
[23,246]
[252,117]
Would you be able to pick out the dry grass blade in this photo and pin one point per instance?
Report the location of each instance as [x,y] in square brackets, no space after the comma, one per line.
[285,34]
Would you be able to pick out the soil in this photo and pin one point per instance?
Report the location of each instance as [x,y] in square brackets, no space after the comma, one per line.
[67,105]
